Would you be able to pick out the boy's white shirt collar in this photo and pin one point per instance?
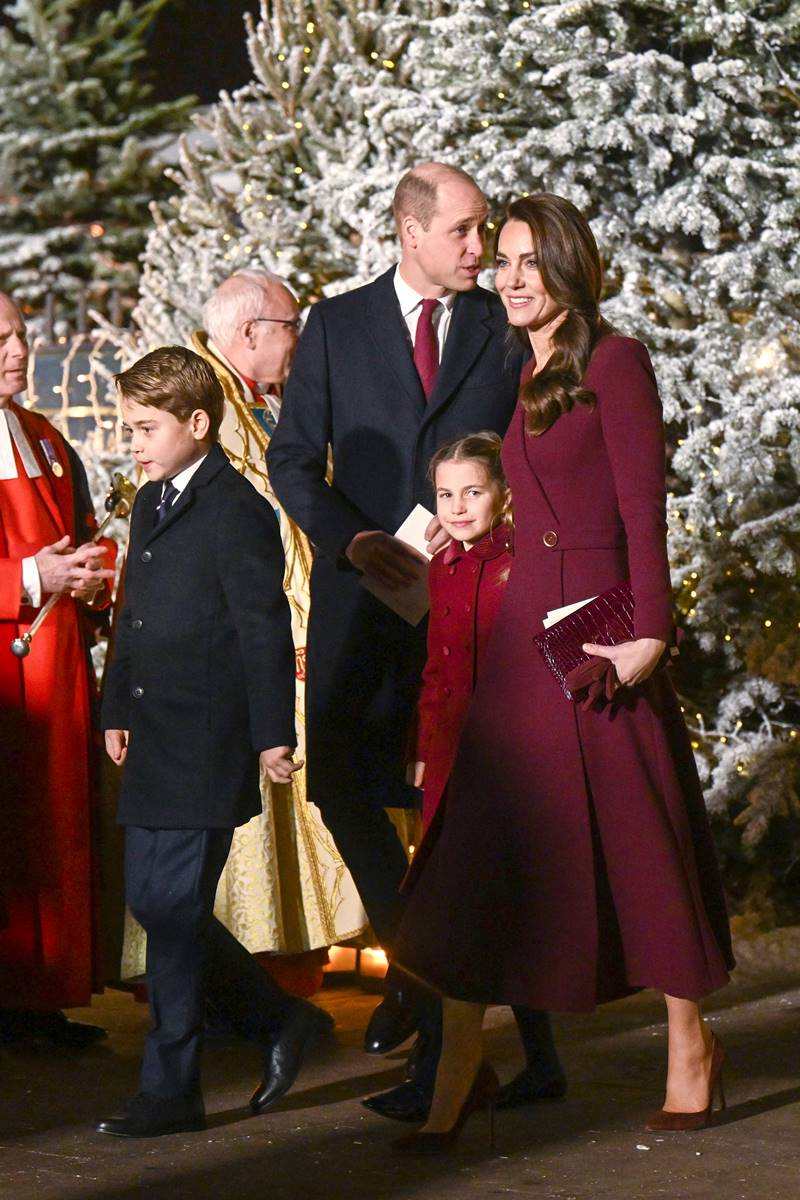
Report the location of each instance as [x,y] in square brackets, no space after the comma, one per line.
[180,480]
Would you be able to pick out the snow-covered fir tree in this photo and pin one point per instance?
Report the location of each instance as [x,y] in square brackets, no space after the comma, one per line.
[674,126]
[77,130]
[295,171]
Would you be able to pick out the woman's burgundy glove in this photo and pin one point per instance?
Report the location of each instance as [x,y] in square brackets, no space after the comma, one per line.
[593,682]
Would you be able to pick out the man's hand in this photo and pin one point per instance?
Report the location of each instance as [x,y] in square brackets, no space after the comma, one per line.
[633,661]
[117,745]
[63,569]
[435,536]
[279,763]
[386,559]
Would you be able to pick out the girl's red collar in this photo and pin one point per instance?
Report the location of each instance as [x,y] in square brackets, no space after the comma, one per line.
[499,540]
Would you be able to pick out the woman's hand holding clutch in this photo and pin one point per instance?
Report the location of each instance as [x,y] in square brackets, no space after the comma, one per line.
[633,661]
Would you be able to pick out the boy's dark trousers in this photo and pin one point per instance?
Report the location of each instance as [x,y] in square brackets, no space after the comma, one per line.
[171,878]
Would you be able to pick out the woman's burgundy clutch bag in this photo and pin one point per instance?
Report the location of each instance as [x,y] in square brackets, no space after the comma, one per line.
[607,620]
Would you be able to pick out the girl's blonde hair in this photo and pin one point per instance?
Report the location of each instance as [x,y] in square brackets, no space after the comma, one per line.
[484,447]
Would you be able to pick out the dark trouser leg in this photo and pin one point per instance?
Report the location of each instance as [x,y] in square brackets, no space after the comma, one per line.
[242,991]
[171,880]
[368,843]
[536,1032]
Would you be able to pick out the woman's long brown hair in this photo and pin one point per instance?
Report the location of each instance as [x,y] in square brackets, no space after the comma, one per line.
[569,264]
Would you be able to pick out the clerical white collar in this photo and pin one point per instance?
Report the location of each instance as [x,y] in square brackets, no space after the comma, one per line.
[12,434]
[410,299]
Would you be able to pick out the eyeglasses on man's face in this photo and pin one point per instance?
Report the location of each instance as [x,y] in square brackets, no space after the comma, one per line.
[295,325]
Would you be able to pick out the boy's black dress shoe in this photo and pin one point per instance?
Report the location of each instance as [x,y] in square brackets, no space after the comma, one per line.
[149,1116]
[528,1088]
[284,1056]
[407,1102]
[393,1022]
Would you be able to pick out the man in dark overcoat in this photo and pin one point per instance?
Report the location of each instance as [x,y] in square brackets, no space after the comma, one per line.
[383,376]
[200,693]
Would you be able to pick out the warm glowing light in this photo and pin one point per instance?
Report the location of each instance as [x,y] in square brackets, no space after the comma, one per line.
[310,27]
[373,963]
[96,229]
[341,958]
[768,624]
[766,358]
[387,62]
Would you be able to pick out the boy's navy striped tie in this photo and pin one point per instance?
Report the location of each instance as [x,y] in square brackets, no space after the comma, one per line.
[165,503]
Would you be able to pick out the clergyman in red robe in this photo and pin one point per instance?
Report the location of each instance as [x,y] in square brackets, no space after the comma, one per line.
[46,917]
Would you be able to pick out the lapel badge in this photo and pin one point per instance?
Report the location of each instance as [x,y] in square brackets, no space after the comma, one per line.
[52,459]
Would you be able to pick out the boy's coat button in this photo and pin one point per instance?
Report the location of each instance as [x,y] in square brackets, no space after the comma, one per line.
[147,556]
[137,624]
[137,693]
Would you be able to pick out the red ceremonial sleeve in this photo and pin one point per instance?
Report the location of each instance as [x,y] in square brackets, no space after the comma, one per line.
[10,588]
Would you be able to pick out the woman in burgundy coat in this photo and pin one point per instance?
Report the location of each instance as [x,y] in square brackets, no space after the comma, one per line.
[573,862]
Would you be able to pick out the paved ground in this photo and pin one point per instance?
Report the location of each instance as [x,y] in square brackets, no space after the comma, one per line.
[320,1144]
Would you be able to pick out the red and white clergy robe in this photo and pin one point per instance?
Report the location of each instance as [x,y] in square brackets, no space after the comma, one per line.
[46,942]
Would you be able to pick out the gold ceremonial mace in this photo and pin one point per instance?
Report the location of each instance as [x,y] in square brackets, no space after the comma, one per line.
[118,503]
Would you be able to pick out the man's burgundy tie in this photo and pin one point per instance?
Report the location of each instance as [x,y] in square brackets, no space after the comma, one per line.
[426,347]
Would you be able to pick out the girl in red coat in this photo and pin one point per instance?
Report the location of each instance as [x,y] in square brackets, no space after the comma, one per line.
[574,861]
[467,581]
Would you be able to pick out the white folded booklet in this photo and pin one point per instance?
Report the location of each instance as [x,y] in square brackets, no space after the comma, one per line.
[412,602]
[557,614]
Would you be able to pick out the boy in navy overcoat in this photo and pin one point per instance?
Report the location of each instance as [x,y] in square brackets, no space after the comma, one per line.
[200,688]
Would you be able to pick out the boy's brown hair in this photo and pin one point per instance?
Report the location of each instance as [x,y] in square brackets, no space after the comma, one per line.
[177,380]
